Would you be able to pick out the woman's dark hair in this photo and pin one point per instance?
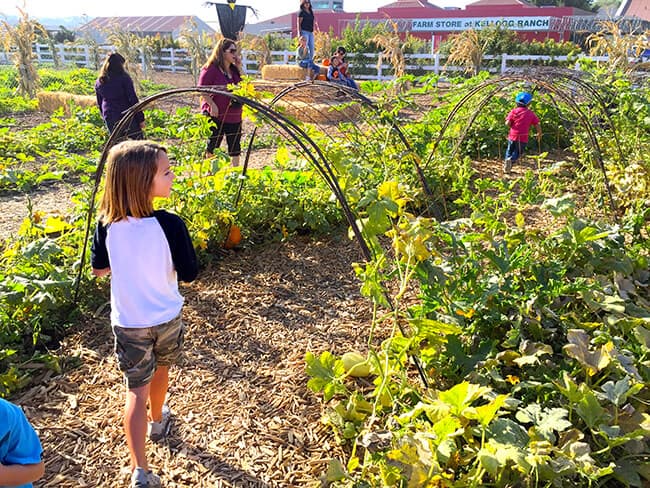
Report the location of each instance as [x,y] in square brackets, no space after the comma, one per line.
[217,58]
[113,65]
[303,6]
[341,50]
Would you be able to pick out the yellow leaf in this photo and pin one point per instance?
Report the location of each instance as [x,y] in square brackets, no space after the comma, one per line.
[519,220]
[55,224]
[513,380]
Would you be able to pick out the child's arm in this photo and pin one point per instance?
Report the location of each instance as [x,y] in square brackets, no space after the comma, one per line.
[180,245]
[20,474]
[99,261]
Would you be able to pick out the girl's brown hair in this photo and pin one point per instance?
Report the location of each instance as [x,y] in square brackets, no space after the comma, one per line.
[113,66]
[217,55]
[131,168]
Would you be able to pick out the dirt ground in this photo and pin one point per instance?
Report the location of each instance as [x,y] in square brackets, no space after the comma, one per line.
[242,415]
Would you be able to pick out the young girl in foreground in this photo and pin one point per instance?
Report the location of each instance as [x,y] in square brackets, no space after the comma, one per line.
[146,251]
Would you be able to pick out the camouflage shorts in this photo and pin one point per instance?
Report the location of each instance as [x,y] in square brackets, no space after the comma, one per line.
[141,350]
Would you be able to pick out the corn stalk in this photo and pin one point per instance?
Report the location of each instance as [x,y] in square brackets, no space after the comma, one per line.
[617,45]
[137,50]
[322,46]
[467,50]
[94,50]
[196,45]
[260,48]
[19,40]
[393,50]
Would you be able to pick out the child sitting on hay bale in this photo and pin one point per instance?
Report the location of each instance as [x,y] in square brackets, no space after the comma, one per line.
[305,61]
[335,75]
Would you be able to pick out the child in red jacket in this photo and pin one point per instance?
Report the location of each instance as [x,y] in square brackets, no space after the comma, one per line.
[519,120]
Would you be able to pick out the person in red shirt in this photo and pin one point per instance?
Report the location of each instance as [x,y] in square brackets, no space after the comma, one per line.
[221,70]
[519,120]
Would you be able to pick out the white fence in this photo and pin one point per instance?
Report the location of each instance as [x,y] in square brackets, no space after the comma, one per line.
[178,61]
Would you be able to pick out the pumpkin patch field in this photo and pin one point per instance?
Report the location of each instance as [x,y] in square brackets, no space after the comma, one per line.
[379,303]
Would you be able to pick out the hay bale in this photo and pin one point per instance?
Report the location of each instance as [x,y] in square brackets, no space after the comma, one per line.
[319,112]
[290,72]
[49,102]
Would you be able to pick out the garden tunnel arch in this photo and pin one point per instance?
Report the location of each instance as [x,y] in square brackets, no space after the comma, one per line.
[324,105]
[570,87]
[338,98]
[283,124]
[287,127]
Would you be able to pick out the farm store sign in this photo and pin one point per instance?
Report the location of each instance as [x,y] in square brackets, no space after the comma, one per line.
[465,23]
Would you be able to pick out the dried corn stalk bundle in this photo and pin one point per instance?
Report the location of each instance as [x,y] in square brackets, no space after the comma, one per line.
[18,40]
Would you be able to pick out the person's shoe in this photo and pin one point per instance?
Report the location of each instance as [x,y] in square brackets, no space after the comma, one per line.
[159,430]
[507,165]
[144,479]
[307,78]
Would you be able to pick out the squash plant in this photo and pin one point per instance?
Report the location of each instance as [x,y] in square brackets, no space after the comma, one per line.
[537,346]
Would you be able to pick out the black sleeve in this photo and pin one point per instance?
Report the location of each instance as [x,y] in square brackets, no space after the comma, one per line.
[180,245]
[98,251]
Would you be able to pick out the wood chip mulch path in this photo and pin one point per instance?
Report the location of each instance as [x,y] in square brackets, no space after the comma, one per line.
[242,415]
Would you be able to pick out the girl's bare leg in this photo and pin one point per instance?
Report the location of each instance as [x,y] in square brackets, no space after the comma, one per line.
[158,392]
[135,425]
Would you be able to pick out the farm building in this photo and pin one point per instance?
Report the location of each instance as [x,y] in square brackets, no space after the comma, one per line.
[169,26]
[634,8]
[428,21]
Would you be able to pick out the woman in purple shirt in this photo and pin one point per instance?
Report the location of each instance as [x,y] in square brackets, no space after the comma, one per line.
[220,70]
[116,94]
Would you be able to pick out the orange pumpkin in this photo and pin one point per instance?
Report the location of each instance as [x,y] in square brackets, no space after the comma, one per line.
[234,237]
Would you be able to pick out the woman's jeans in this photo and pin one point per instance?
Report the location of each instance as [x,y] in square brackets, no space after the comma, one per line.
[309,36]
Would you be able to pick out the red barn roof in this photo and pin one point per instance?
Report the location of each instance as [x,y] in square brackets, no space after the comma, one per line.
[409,4]
[634,8]
[490,3]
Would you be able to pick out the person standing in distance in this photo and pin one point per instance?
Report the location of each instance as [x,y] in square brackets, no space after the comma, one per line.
[223,68]
[520,119]
[306,24]
[146,252]
[116,94]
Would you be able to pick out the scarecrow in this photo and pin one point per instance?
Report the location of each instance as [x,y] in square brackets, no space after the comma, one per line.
[231,18]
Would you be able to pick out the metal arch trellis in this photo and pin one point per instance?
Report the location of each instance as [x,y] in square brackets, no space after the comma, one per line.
[296,133]
[299,137]
[326,90]
[565,84]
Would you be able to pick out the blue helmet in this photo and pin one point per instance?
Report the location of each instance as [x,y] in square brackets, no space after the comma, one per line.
[523,98]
